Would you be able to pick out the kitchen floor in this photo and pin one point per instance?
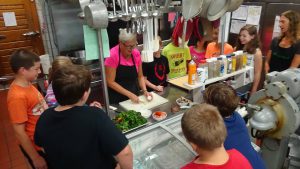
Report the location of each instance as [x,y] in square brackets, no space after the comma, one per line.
[11,156]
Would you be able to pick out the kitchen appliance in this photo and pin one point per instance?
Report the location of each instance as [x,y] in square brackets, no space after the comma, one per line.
[275,116]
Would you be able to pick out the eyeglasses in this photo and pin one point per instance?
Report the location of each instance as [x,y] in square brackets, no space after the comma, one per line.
[129,46]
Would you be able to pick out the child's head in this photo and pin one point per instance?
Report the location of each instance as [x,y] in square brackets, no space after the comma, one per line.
[203,127]
[71,85]
[25,64]
[223,97]
[202,43]
[58,62]
[215,34]
[157,53]
[248,39]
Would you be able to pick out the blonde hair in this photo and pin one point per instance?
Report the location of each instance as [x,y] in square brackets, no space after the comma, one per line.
[203,125]
[124,35]
[294,24]
[59,62]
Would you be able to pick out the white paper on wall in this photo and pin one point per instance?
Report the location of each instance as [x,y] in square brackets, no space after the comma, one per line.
[9,19]
[236,26]
[241,13]
[276,29]
[254,13]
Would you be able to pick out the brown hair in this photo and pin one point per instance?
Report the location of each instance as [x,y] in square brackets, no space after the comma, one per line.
[294,24]
[22,58]
[59,62]
[253,44]
[223,97]
[204,126]
[70,83]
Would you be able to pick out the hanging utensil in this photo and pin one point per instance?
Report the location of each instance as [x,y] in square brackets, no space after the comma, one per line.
[126,16]
[113,17]
[156,39]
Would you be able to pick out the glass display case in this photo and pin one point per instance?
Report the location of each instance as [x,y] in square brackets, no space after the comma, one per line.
[161,146]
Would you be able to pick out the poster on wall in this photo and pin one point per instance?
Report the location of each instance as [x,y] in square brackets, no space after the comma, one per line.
[9,19]
[236,25]
[254,13]
[241,13]
[276,29]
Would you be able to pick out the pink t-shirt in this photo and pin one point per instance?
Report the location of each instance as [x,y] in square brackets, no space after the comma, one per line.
[236,161]
[197,56]
[113,59]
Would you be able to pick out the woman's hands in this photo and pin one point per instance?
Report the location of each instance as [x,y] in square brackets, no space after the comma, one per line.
[148,95]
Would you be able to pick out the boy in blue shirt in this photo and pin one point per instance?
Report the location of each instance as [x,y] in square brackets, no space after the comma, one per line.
[226,100]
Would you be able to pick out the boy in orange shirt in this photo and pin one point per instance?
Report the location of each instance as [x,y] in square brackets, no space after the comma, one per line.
[26,104]
[214,48]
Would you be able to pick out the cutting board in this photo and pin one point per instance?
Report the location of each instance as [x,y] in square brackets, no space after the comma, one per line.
[144,104]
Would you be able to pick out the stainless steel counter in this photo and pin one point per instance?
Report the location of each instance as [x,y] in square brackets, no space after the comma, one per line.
[171,93]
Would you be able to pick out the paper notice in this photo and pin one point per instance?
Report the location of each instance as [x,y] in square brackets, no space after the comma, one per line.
[92,51]
[236,26]
[276,24]
[241,13]
[9,19]
[253,15]
[276,29]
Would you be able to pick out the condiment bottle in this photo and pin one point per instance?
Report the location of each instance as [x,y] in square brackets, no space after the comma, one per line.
[192,72]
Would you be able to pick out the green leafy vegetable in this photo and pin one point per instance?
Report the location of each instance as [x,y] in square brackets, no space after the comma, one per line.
[128,120]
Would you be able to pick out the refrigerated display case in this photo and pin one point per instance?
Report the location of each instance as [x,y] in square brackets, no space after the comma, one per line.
[161,146]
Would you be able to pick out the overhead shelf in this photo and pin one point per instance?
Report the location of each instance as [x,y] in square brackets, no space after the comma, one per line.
[182,81]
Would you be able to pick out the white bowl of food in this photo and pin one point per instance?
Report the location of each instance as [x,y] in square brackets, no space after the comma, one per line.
[145,113]
[182,101]
[159,115]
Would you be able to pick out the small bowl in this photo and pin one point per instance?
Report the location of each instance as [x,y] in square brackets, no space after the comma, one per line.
[145,113]
[181,103]
[159,115]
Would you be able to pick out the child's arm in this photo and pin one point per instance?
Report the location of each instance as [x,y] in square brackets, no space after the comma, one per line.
[125,158]
[26,143]
[152,86]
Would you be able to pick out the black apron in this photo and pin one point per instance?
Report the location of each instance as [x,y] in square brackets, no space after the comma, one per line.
[126,76]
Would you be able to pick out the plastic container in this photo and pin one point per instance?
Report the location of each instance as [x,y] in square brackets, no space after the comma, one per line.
[210,68]
[225,63]
[233,59]
[201,75]
[245,58]
[203,64]
[192,73]
[229,64]
[216,67]
[221,66]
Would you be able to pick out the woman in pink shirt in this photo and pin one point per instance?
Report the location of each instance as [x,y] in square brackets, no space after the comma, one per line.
[123,70]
